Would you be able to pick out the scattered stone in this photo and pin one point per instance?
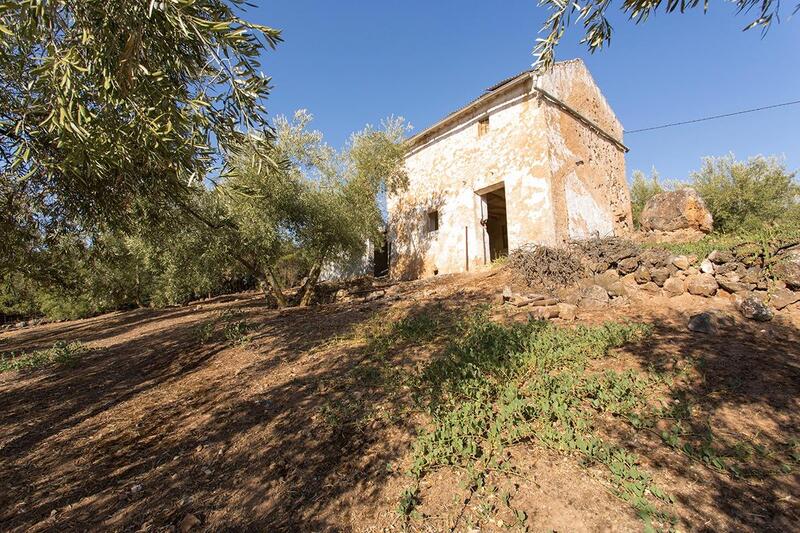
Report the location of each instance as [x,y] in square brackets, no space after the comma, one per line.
[674,287]
[734,267]
[507,294]
[651,287]
[374,296]
[702,323]
[692,271]
[135,489]
[660,275]
[706,267]
[642,275]
[543,302]
[731,283]
[753,275]
[567,311]
[788,269]
[610,281]
[20,324]
[681,262]
[189,522]
[628,266]
[655,258]
[782,297]
[701,285]
[753,308]
[543,313]
[593,298]
[676,210]
[720,257]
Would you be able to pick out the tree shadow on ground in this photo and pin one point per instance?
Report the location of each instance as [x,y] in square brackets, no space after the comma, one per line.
[741,387]
[282,432]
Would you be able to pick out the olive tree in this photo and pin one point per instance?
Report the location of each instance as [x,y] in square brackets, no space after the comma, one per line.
[320,201]
[591,14]
[110,109]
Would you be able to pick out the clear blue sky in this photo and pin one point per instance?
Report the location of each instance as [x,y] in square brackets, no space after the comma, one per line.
[352,63]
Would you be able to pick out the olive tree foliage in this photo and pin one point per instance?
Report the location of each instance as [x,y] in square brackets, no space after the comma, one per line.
[592,15]
[747,195]
[320,201]
[111,109]
[642,189]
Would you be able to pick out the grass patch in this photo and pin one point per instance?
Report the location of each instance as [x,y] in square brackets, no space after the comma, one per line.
[62,353]
[764,238]
[499,385]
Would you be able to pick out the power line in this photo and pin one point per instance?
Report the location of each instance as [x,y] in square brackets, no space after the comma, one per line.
[714,117]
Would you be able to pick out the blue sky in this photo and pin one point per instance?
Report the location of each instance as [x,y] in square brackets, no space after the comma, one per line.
[352,63]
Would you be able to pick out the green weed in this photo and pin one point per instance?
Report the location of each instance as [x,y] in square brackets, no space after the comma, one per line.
[62,353]
[235,328]
[498,385]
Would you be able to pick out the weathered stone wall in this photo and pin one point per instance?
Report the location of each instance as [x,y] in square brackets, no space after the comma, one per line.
[559,177]
[587,169]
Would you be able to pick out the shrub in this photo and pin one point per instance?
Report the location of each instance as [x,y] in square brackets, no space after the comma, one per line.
[747,195]
[642,189]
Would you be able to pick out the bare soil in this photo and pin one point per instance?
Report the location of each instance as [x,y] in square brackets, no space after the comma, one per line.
[284,433]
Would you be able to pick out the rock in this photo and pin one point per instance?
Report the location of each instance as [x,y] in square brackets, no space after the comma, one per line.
[655,258]
[681,262]
[374,296]
[660,275]
[642,275]
[567,311]
[701,285]
[20,324]
[136,488]
[189,522]
[787,269]
[706,267]
[753,275]
[731,283]
[676,210]
[543,313]
[782,297]
[651,287]
[732,267]
[753,308]
[628,266]
[593,298]
[692,271]
[674,287]
[702,323]
[610,281]
[720,257]
[543,302]
[507,294]
[616,289]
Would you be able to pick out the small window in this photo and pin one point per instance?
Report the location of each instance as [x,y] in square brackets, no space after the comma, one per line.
[483,126]
[433,221]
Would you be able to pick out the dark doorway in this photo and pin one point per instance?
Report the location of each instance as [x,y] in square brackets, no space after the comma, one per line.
[496,227]
[380,259]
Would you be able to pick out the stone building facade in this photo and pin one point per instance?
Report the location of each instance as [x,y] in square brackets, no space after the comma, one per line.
[538,158]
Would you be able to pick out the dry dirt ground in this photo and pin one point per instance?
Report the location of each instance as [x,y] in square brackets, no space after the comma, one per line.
[170,414]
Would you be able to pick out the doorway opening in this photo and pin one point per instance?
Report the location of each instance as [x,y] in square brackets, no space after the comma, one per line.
[380,259]
[495,222]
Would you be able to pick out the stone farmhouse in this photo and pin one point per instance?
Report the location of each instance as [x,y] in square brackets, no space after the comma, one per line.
[538,158]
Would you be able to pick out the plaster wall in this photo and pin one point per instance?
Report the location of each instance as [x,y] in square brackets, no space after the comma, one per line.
[555,172]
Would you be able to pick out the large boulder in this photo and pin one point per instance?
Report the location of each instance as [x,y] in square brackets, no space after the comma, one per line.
[677,210]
